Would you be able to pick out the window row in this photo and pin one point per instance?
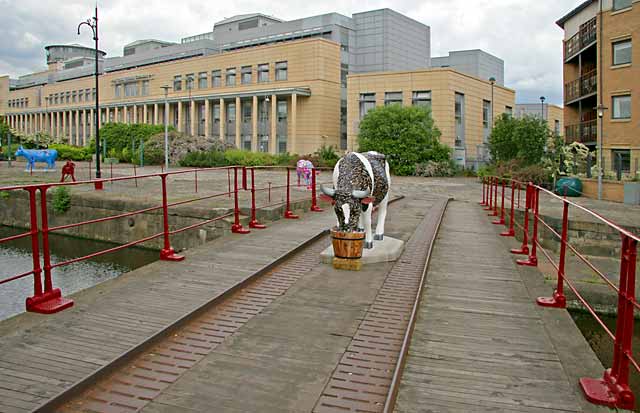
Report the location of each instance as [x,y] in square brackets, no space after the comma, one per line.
[621,4]
[621,107]
[19,103]
[74,96]
[131,89]
[368,100]
[214,79]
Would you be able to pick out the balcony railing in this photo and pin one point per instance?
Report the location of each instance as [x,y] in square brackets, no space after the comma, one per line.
[585,36]
[583,86]
[582,132]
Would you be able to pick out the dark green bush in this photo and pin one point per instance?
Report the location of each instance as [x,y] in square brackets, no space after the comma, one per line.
[204,159]
[522,139]
[61,199]
[406,135]
[119,136]
[73,153]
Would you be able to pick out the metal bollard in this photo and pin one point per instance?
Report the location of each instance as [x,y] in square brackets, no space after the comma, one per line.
[558,300]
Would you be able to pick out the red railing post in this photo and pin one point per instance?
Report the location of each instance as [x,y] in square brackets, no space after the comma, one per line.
[167,253]
[511,231]
[519,190]
[254,222]
[532,260]
[314,197]
[237,228]
[501,220]
[558,300]
[524,249]
[35,247]
[269,192]
[196,179]
[613,389]
[489,203]
[287,213]
[484,191]
[494,213]
[51,301]
[229,182]
[244,178]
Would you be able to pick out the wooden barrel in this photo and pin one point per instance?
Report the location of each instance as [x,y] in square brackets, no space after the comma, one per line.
[347,245]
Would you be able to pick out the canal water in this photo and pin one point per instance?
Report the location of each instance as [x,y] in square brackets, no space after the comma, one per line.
[602,344]
[15,258]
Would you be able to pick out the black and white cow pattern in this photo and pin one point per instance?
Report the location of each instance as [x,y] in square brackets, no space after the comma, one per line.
[361,182]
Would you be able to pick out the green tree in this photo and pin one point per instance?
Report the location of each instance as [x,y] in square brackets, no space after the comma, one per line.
[406,135]
[518,139]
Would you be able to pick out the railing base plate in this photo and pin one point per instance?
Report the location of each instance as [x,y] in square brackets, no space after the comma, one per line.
[529,262]
[49,302]
[256,225]
[598,391]
[498,222]
[290,215]
[316,209]
[239,229]
[509,233]
[170,255]
[520,251]
[556,301]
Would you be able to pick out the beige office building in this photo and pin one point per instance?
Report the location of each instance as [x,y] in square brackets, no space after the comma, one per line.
[272,98]
[463,106]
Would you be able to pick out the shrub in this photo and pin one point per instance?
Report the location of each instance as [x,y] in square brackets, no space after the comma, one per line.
[204,159]
[533,173]
[72,153]
[406,135]
[522,139]
[4,195]
[120,135]
[435,169]
[61,199]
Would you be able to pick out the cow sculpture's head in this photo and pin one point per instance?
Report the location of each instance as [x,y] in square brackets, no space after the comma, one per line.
[348,206]
[20,151]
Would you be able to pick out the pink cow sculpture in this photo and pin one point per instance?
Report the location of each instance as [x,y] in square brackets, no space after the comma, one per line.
[304,169]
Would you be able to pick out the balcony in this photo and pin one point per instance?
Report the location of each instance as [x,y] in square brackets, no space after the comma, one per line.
[583,132]
[585,85]
[585,36]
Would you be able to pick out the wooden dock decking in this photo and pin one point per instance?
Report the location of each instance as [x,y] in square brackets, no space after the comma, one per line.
[480,343]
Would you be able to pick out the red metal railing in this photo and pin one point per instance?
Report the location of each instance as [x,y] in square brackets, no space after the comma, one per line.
[613,389]
[47,299]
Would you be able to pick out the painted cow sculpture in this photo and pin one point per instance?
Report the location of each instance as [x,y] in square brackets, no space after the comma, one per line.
[304,169]
[360,183]
[38,155]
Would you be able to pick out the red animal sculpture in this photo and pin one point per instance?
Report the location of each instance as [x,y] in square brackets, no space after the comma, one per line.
[68,170]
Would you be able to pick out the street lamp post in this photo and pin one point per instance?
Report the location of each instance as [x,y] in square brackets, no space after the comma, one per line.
[93,25]
[542,99]
[190,80]
[492,80]
[166,127]
[600,108]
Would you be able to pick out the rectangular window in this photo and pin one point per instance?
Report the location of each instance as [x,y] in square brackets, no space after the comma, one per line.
[231,113]
[621,157]
[621,4]
[622,52]
[246,75]
[80,95]
[621,107]
[131,89]
[263,72]
[231,76]
[68,97]
[281,70]
[459,118]
[93,94]
[145,88]
[177,83]
[367,102]
[486,119]
[556,127]
[391,98]
[216,78]
[421,98]
[508,110]
[87,95]
[73,96]
[118,90]
[202,80]
[55,99]
[190,79]
[282,110]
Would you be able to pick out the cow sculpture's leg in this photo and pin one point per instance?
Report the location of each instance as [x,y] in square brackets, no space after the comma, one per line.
[368,239]
[361,222]
[382,216]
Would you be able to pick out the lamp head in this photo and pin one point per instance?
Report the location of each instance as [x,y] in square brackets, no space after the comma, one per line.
[542,99]
[492,80]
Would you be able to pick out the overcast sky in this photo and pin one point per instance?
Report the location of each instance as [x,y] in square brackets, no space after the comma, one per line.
[523,34]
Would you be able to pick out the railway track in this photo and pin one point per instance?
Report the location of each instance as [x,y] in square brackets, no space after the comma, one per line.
[365,379]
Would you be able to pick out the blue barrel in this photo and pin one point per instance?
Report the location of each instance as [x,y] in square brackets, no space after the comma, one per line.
[573,186]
